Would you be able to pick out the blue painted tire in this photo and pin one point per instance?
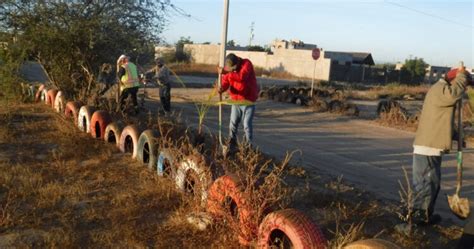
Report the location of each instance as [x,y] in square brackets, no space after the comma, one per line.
[166,164]
[148,148]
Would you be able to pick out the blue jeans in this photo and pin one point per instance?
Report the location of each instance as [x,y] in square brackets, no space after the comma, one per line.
[239,113]
[426,182]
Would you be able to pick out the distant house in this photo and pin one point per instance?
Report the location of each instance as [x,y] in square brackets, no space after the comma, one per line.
[291,44]
[434,73]
[350,58]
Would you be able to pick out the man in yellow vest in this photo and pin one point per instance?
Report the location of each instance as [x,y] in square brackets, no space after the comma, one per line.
[129,81]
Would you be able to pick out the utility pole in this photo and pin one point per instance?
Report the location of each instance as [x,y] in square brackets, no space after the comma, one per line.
[252,35]
[222,55]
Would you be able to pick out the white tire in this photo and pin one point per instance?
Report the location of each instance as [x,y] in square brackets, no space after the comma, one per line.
[59,102]
[194,176]
[84,118]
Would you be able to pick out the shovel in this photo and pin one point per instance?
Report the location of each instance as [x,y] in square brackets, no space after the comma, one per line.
[459,206]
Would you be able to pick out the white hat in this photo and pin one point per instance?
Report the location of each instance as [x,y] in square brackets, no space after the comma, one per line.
[121,58]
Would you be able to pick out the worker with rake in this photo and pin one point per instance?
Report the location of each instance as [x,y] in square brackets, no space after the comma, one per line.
[434,138]
[162,77]
[239,78]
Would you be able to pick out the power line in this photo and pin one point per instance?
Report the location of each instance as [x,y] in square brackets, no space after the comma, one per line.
[430,15]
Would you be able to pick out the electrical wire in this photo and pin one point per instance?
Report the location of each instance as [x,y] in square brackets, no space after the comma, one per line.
[430,15]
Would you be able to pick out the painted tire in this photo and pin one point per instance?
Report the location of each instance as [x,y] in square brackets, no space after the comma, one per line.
[226,197]
[112,134]
[59,102]
[72,110]
[84,118]
[166,165]
[39,93]
[51,96]
[44,95]
[194,176]
[148,148]
[129,140]
[371,244]
[99,121]
[290,228]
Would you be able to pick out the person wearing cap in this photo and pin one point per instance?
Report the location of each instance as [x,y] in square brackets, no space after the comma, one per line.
[239,78]
[129,81]
[433,138]
[162,76]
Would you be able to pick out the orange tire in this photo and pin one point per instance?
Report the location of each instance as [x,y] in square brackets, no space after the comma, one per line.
[226,197]
[290,228]
[51,96]
[38,93]
[99,121]
[72,110]
[129,140]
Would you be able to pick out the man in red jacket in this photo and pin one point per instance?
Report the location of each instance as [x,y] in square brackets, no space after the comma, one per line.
[239,78]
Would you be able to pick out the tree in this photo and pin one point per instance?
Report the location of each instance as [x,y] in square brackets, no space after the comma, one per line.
[231,43]
[180,53]
[76,37]
[415,69]
[256,48]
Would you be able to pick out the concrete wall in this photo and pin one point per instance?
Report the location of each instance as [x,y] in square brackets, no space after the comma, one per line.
[294,61]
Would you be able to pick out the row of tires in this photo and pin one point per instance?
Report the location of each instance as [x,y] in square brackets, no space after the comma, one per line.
[219,194]
[321,101]
[191,174]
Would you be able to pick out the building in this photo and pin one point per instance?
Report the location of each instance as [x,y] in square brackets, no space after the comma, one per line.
[292,44]
[350,58]
[434,73]
[294,57]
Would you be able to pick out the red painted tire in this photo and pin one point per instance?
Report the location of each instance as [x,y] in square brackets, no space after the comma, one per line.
[39,92]
[129,140]
[226,197]
[50,97]
[99,121]
[84,118]
[71,111]
[59,102]
[112,134]
[290,228]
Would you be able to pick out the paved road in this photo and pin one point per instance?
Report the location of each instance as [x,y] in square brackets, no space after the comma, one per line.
[367,155]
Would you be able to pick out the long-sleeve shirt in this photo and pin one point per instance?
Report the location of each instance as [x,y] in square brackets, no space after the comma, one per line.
[162,75]
[242,84]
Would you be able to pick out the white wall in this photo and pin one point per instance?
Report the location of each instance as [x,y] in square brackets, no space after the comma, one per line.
[294,61]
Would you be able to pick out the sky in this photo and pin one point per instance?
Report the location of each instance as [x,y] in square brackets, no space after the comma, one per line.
[439,31]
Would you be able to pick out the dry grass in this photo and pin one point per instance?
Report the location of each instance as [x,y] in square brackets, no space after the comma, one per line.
[398,117]
[194,69]
[211,71]
[61,188]
[394,90]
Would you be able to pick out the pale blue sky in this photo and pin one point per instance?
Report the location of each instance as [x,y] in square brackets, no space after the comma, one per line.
[440,31]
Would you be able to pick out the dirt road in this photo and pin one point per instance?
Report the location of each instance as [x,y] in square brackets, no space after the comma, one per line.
[367,155]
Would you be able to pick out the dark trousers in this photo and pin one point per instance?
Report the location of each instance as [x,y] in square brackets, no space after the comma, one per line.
[165,97]
[426,182]
[129,91]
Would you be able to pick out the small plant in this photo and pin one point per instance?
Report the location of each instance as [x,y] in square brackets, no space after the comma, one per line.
[407,197]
